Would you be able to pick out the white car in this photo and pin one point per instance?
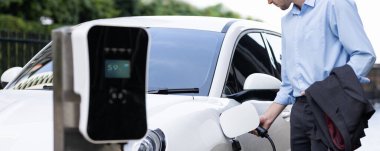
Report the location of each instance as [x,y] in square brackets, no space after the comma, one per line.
[208,58]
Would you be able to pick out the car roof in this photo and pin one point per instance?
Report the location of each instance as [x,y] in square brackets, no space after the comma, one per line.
[217,24]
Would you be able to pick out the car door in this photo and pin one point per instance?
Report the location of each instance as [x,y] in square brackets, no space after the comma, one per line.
[253,54]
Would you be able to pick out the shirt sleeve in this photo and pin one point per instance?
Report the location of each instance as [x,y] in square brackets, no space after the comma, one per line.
[346,24]
[284,96]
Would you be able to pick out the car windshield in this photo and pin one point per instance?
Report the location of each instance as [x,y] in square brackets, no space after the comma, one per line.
[178,59]
[181,58]
[37,74]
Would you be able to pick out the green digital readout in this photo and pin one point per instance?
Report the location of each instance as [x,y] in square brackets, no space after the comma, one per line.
[117,69]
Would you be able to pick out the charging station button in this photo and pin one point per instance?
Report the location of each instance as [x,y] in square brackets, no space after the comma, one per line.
[112,95]
[124,98]
[118,96]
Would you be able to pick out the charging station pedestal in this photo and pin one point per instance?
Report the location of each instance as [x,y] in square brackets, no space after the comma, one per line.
[99,87]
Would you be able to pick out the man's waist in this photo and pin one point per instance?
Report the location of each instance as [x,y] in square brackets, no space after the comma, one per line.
[301,98]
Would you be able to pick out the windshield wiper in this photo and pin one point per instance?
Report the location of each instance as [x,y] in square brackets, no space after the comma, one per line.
[46,87]
[173,91]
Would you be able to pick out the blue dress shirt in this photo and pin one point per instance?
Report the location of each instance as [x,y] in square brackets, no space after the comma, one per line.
[323,35]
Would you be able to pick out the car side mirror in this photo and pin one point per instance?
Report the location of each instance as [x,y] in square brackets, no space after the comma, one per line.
[9,75]
[258,86]
[260,81]
[239,120]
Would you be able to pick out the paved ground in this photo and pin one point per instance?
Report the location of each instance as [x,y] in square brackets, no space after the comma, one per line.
[372,141]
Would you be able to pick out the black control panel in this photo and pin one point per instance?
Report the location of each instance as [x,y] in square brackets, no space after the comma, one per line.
[117,83]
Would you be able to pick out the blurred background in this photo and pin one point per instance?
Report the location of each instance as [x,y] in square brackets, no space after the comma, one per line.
[25,25]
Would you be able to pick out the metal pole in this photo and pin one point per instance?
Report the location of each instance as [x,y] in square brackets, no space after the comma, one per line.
[66,103]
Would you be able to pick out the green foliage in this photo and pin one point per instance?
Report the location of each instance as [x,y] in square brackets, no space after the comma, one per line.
[95,9]
[175,7]
[17,24]
[62,11]
[166,7]
[219,11]
[24,15]
[127,7]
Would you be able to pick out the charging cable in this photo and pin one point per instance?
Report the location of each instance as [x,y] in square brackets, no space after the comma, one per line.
[262,132]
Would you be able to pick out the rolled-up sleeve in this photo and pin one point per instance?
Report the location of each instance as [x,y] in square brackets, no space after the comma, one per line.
[283,96]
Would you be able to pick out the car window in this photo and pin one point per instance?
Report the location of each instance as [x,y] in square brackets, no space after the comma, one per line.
[37,74]
[250,56]
[274,45]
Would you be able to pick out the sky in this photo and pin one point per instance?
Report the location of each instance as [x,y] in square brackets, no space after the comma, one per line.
[368,9]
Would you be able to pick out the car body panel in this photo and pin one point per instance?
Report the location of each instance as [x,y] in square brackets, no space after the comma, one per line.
[24,115]
[227,50]
[279,131]
[189,122]
[193,121]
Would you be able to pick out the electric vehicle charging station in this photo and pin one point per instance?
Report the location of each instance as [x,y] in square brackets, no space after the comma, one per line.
[99,86]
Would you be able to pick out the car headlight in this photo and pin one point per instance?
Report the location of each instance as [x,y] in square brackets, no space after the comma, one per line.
[153,141]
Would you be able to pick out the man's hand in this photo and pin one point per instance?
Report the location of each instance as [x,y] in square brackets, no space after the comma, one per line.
[269,116]
[264,122]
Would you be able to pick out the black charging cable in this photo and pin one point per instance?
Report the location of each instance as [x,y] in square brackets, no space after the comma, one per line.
[262,132]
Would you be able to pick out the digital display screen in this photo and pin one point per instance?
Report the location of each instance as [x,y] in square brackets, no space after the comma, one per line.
[117,69]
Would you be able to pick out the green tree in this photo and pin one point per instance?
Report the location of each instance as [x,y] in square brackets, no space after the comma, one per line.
[220,11]
[24,15]
[175,7]
[61,11]
[127,7]
[17,24]
[95,9]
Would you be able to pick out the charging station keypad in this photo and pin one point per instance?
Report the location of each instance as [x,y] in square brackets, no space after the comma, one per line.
[117,96]
[117,83]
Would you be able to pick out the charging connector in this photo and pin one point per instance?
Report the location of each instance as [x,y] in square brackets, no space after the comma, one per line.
[262,132]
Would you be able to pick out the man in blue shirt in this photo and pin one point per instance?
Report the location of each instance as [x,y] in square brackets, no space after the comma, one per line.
[317,36]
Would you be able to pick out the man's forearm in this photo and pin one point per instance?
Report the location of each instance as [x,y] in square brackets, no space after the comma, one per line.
[271,114]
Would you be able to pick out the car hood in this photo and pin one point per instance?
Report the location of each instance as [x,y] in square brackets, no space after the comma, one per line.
[15,106]
[26,107]
[157,103]
[26,117]
[26,120]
